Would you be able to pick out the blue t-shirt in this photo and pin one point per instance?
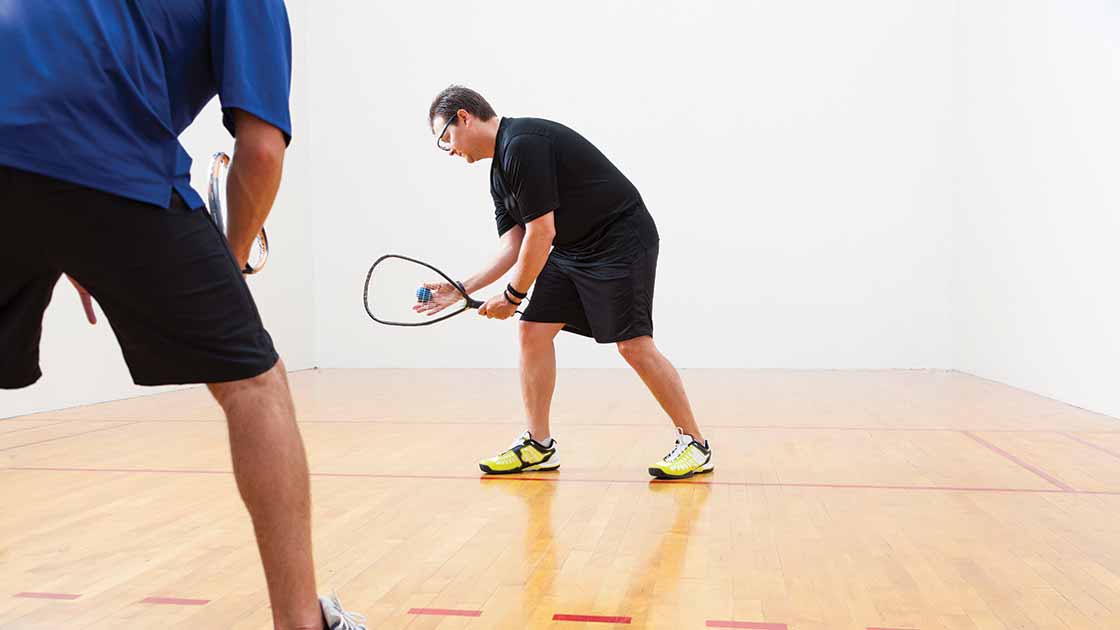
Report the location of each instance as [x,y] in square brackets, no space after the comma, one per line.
[96,92]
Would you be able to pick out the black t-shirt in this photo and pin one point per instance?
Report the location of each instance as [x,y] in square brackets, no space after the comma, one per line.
[541,166]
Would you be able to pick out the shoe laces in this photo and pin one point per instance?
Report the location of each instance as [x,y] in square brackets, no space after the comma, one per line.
[683,442]
[348,620]
[521,439]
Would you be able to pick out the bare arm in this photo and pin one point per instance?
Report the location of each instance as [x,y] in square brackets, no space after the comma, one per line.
[254,178]
[534,252]
[500,264]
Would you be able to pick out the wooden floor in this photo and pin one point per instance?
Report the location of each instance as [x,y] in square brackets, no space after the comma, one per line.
[840,501]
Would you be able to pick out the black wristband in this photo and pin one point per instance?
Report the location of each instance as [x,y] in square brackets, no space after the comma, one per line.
[515,293]
[510,300]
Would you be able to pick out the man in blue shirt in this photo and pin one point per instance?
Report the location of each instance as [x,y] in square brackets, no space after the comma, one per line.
[95,185]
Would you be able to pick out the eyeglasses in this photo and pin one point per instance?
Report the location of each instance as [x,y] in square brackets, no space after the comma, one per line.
[445,146]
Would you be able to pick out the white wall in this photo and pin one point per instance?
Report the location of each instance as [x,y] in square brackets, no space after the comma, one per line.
[1038,289]
[83,364]
[796,156]
[879,183]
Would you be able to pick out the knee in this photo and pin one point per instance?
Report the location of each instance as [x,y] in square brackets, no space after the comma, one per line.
[228,393]
[533,336]
[636,351]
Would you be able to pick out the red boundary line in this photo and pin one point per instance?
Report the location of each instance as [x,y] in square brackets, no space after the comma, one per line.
[1092,445]
[763,427]
[65,437]
[1034,469]
[557,479]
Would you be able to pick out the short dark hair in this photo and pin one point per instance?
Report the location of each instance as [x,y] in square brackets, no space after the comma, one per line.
[456,97]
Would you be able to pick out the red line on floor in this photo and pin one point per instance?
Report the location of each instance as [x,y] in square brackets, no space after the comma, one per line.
[752,625]
[43,424]
[1091,445]
[591,618]
[65,596]
[1034,469]
[763,427]
[65,437]
[559,479]
[174,601]
[445,612]
[169,471]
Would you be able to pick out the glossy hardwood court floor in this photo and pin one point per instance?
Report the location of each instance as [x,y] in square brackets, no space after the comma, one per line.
[840,501]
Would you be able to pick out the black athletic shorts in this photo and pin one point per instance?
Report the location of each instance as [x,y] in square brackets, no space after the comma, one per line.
[605,290]
[165,279]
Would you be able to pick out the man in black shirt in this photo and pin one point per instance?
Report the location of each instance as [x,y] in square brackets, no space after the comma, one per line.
[572,224]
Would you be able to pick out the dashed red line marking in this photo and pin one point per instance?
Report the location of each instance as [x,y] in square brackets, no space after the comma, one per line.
[62,596]
[751,625]
[174,601]
[591,618]
[445,612]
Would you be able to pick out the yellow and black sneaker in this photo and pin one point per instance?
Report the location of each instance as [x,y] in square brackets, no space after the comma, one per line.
[687,458]
[524,455]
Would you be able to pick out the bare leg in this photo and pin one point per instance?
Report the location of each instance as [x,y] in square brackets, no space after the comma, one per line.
[662,380]
[271,470]
[538,374]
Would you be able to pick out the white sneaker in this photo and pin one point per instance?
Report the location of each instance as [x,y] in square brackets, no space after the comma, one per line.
[687,458]
[339,619]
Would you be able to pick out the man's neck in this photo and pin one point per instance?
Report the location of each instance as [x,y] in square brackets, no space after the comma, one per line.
[490,128]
